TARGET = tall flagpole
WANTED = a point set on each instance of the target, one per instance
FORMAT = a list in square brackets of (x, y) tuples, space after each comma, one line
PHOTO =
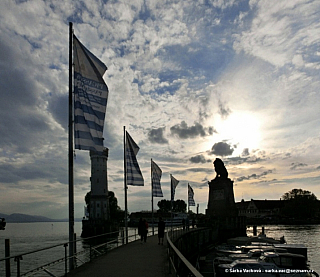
[(172, 197), (125, 186), (71, 189), (188, 209), (152, 201)]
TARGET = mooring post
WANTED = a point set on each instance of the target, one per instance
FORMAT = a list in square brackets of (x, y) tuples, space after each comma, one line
[(254, 230), (7, 254)]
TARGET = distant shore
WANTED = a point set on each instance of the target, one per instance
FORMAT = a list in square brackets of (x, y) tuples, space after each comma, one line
[(24, 218)]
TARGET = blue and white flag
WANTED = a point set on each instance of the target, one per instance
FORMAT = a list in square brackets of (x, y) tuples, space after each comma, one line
[(174, 183), (190, 196), (134, 175), (90, 98), (155, 180)]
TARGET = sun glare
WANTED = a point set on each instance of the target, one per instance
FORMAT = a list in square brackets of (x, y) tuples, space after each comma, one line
[(241, 129)]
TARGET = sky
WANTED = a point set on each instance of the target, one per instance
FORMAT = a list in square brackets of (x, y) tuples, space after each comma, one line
[(190, 80)]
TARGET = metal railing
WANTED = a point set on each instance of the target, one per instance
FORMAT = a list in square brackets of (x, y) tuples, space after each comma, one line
[(178, 264), (92, 247)]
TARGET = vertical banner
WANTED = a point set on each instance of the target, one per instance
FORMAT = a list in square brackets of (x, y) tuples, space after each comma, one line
[(191, 196), (155, 180), (174, 183), (134, 175), (90, 98)]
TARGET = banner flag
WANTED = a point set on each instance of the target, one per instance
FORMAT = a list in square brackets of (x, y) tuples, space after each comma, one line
[(190, 196), (155, 180), (90, 98), (174, 184), (134, 175)]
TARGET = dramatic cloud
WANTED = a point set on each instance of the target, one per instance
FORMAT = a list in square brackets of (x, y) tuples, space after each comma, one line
[(199, 159), (221, 149), (156, 136), (183, 131), (248, 68)]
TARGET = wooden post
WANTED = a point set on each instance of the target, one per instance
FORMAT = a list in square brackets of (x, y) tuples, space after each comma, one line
[(7, 254)]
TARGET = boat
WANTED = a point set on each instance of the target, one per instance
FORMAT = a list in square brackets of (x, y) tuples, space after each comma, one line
[(256, 253), (176, 220), (285, 260), (3, 223)]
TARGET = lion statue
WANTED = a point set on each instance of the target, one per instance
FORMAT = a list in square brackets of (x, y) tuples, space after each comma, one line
[(220, 169)]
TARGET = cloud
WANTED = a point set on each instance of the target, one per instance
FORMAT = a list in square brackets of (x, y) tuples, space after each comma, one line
[(223, 110), (245, 152), (254, 176), (184, 132), (198, 159), (221, 149), (156, 136), (295, 166)]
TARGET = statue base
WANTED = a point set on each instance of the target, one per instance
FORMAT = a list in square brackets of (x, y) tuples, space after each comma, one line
[(221, 198)]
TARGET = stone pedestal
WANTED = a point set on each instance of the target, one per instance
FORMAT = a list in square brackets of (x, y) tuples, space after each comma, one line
[(221, 198)]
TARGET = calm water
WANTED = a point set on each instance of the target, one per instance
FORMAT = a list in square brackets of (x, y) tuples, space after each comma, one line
[(25, 237)]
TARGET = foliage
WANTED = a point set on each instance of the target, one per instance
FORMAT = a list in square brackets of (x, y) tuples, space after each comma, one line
[(116, 214), (299, 193), (300, 204), (178, 206)]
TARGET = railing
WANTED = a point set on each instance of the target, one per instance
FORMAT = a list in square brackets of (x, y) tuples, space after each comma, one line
[(178, 264), (92, 247)]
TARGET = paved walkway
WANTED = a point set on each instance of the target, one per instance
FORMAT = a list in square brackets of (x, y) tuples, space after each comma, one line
[(134, 259)]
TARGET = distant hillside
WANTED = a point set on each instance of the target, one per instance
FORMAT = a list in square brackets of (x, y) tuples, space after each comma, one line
[(16, 217)]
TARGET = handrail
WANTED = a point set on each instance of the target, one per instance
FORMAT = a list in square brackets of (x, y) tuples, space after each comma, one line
[(18, 257), (188, 265)]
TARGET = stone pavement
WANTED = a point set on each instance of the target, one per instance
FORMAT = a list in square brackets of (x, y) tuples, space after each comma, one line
[(134, 259)]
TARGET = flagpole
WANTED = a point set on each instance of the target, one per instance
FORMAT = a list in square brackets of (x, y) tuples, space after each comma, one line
[(152, 201), (71, 188), (125, 186), (172, 197), (188, 207)]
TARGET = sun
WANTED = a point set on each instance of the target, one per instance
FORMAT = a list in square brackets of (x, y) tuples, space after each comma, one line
[(242, 129)]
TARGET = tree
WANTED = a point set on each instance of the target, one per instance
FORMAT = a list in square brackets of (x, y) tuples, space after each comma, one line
[(179, 206), (299, 193), (164, 206), (300, 204)]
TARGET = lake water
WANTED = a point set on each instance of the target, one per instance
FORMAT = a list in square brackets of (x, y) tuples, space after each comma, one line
[(25, 237)]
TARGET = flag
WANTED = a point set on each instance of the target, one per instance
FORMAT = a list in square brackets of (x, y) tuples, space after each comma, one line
[(174, 184), (155, 179), (190, 196), (134, 176), (90, 98)]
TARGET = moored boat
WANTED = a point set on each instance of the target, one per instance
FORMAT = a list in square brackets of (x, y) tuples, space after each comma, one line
[(3, 223)]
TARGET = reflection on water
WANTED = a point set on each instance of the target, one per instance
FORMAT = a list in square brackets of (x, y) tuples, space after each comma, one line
[(309, 235)]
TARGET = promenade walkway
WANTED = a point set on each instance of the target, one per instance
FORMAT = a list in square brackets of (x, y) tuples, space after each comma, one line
[(134, 259)]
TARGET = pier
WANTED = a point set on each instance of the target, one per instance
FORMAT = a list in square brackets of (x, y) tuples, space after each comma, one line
[(133, 259)]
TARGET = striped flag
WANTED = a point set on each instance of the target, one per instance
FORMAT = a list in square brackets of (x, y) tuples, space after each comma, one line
[(90, 98), (174, 184), (190, 196), (155, 179), (134, 175)]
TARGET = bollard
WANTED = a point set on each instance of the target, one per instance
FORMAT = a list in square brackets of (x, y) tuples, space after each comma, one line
[(7, 254), (18, 259), (254, 230), (65, 259), (75, 248)]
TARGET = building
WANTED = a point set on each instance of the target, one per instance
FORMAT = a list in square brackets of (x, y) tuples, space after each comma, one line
[(99, 204), (260, 208)]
